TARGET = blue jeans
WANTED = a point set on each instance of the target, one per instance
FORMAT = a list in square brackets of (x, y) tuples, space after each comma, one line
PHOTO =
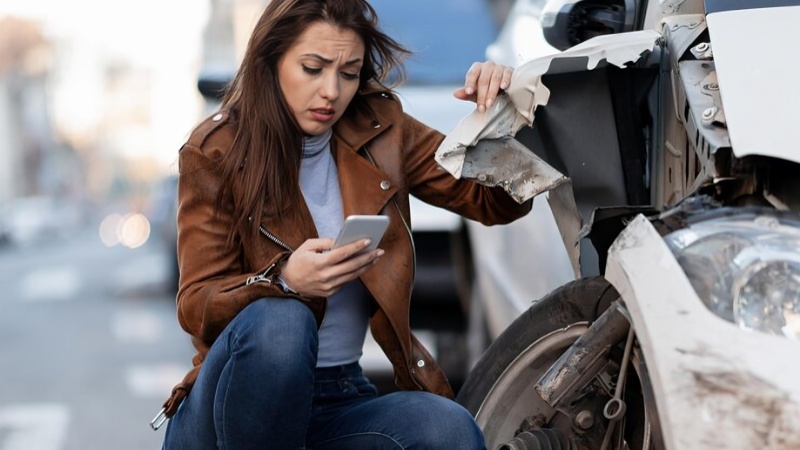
[(259, 389)]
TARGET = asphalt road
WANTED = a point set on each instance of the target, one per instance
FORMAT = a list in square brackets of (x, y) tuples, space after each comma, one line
[(89, 345)]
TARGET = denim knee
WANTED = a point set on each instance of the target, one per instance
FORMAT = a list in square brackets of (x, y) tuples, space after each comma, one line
[(443, 424), (280, 332)]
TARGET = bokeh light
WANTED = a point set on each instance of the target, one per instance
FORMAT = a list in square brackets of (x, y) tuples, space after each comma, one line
[(134, 230), (131, 230), (108, 229)]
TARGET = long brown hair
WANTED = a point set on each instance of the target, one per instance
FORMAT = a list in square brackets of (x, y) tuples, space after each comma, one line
[(265, 156)]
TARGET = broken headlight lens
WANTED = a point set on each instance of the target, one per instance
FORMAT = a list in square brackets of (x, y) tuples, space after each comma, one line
[(746, 270)]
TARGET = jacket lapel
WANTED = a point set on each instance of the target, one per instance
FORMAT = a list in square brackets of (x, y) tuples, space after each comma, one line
[(365, 188)]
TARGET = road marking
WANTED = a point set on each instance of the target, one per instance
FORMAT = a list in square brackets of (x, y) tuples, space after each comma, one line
[(33, 427), (142, 271), (137, 327), (50, 284), (154, 381)]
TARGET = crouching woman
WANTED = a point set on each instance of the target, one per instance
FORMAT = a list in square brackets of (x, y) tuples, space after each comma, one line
[(308, 135)]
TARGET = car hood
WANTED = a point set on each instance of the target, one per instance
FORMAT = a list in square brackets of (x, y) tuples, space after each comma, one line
[(755, 58)]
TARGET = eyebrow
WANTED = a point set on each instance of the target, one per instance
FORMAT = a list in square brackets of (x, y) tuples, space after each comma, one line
[(330, 61)]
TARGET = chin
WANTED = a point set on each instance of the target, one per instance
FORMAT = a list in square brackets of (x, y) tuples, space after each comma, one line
[(316, 129)]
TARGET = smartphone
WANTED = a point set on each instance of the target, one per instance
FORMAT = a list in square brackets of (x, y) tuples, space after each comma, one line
[(362, 227)]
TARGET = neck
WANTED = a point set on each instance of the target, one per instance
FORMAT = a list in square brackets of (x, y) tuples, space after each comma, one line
[(313, 145)]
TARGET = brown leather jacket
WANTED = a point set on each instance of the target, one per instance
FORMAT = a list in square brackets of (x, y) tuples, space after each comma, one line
[(380, 161)]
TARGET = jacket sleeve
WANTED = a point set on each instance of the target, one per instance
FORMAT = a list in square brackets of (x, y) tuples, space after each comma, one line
[(428, 182), (213, 284)]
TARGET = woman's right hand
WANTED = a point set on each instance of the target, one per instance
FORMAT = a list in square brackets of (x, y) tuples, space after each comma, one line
[(313, 271)]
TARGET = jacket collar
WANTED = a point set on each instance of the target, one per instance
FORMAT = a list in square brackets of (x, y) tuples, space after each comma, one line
[(356, 129)]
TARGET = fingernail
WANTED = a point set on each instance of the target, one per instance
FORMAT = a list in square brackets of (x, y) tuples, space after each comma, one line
[(381, 252), (367, 242), (481, 108), (503, 85), (469, 91), (489, 103)]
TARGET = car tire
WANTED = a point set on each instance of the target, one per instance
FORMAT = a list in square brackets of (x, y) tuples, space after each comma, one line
[(579, 301)]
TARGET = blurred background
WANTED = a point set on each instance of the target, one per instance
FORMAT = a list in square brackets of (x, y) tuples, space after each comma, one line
[(96, 98)]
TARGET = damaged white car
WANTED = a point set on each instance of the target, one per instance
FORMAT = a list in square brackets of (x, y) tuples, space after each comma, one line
[(663, 137)]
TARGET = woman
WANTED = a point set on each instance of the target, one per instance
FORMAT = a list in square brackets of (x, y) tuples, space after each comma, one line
[(307, 136)]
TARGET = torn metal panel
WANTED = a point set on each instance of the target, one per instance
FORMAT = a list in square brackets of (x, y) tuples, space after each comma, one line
[(499, 121), (526, 92), (526, 89), (569, 222), (706, 373), (512, 166), (509, 164)]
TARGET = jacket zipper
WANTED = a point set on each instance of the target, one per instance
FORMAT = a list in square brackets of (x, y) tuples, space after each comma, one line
[(264, 277), (261, 277), (274, 239), (411, 370)]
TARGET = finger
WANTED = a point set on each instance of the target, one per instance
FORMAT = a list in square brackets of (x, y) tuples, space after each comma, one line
[(461, 94), (317, 245), (494, 86), (349, 276), (507, 72), (484, 81), (333, 273), (346, 251), (355, 263), (471, 81)]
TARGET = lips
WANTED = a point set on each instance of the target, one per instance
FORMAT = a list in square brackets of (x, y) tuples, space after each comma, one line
[(322, 114)]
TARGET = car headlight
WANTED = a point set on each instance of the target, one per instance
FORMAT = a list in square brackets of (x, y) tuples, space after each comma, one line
[(746, 269)]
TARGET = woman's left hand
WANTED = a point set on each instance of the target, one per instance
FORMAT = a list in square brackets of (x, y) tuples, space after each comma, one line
[(484, 81)]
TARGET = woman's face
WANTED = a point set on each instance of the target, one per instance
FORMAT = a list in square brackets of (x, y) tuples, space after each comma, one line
[(319, 75)]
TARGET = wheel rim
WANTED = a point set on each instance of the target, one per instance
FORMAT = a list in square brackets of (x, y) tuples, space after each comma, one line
[(512, 398)]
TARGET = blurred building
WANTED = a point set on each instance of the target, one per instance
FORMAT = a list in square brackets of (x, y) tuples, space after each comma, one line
[(32, 161)]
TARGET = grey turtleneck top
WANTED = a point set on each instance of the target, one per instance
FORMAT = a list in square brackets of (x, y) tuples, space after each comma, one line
[(341, 338)]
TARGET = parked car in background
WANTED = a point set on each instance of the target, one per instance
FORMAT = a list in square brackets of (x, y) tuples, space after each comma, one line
[(521, 38), (5, 226), (30, 220)]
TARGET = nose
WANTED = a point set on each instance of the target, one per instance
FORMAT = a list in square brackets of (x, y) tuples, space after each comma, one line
[(330, 86)]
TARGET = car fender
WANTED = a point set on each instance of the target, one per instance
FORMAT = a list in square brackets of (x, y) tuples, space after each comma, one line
[(715, 385)]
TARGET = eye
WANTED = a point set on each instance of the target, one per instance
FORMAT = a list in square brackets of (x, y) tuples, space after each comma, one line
[(311, 71), (350, 76)]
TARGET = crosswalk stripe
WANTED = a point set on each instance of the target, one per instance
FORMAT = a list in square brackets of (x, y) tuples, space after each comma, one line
[(137, 327), (154, 381), (50, 284), (141, 271), (33, 427)]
